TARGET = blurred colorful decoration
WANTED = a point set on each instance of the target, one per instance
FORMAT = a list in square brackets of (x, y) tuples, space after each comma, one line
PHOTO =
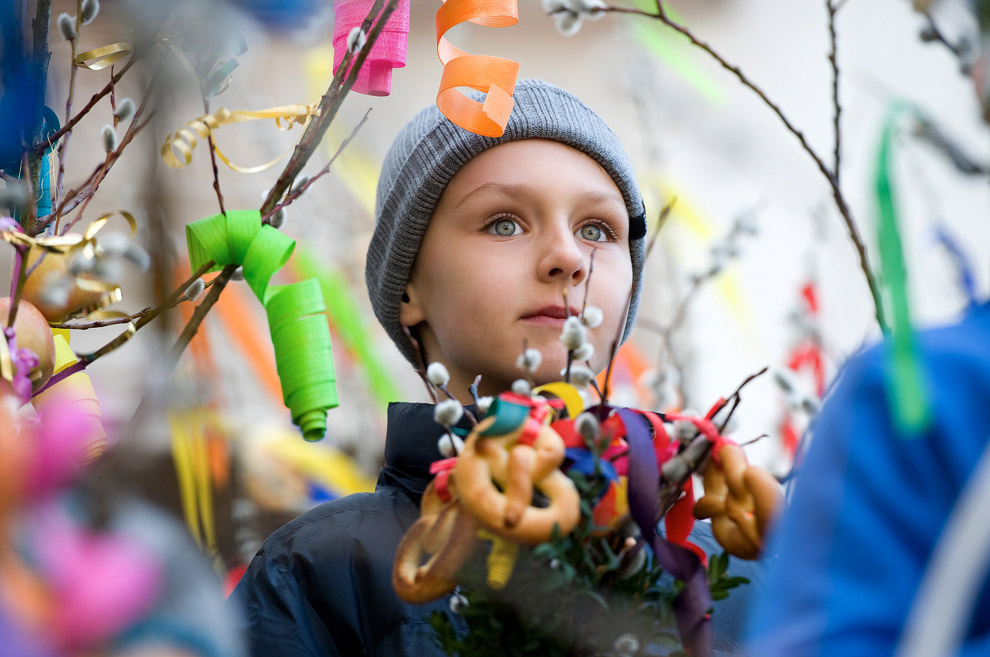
[(281, 15), (493, 76), (75, 392), (806, 357), (296, 313), (280, 473), (191, 433), (908, 398), (678, 55), (387, 53)]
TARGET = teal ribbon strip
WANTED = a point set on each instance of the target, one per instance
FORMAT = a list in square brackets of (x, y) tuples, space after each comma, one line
[(906, 375), (296, 313)]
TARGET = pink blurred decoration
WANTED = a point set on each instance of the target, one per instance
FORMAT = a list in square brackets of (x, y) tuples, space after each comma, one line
[(388, 52), (102, 582), (61, 435)]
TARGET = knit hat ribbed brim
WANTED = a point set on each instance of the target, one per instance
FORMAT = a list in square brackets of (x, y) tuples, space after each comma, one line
[(430, 150)]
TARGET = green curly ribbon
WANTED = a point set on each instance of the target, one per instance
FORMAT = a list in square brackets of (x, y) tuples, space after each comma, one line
[(906, 379), (296, 313)]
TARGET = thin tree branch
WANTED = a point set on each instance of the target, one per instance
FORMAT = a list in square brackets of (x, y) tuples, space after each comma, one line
[(837, 108), (64, 145), (74, 197), (296, 193), (342, 82), (142, 318), (843, 207), (41, 146)]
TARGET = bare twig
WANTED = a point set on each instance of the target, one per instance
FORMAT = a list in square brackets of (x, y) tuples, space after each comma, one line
[(296, 193), (74, 197), (837, 108), (840, 201), (42, 146), (64, 145), (342, 82), (192, 327), (141, 319), (932, 33), (661, 220), (153, 311), (18, 285)]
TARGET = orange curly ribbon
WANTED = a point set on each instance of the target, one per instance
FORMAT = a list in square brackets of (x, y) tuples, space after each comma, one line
[(493, 76)]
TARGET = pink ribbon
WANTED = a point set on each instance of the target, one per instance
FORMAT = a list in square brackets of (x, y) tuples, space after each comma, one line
[(388, 51)]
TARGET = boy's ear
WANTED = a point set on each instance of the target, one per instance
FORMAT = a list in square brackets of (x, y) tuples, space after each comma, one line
[(410, 311)]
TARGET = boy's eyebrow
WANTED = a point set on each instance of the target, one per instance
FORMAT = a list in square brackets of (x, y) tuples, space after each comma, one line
[(521, 189)]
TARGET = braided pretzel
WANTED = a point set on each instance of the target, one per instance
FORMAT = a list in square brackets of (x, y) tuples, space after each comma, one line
[(740, 499), (518, 468), (447, 536)]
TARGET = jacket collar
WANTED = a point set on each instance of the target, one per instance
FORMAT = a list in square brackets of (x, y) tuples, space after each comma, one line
[(411, 446)]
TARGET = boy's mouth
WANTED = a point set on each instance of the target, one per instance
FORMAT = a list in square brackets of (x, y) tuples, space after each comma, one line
[(549, 315)]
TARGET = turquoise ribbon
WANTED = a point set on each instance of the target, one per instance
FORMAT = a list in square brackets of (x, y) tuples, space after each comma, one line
[(296, 313)]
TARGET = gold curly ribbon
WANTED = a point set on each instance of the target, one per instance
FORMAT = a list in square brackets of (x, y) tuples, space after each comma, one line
[(184, 140), (85, 243), (100, 58)]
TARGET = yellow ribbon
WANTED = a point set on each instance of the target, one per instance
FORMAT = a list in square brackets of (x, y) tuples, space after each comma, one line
[(189, 452), (501, 560), (184, 140), (100, 58)]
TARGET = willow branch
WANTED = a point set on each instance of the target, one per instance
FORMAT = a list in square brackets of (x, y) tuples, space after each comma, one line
[(75, 197), (296, 193), (830, 176), (42, 146), (142, 318), (64, 145), (192, 327), (342, 82)]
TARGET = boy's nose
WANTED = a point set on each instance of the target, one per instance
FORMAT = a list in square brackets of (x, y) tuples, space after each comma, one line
[(563, 260)]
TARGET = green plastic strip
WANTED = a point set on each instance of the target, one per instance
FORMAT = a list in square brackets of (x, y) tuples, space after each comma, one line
[(347, 319), (296, 313), (906, 378), (677, 53)]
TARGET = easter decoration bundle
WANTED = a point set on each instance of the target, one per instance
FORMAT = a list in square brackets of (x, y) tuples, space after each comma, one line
[(543, 519)]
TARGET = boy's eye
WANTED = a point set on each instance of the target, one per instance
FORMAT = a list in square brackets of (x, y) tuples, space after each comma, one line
[(504, 228), (593, 233)]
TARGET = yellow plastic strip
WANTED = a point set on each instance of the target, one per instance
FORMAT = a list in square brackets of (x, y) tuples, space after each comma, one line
[(184, 470), (567, 392)]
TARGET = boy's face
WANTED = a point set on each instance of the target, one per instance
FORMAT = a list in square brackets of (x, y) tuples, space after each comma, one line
[(516, 227)]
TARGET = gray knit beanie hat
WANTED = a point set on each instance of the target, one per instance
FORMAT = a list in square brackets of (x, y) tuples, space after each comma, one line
[(430, 150)]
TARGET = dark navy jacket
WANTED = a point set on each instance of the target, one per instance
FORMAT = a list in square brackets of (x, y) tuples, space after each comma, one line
[(321, 585)]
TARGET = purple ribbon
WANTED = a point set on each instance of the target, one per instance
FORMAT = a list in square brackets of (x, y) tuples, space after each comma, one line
[(693, 602)]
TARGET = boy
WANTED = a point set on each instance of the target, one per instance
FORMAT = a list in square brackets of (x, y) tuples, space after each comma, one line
[(476, 242)]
